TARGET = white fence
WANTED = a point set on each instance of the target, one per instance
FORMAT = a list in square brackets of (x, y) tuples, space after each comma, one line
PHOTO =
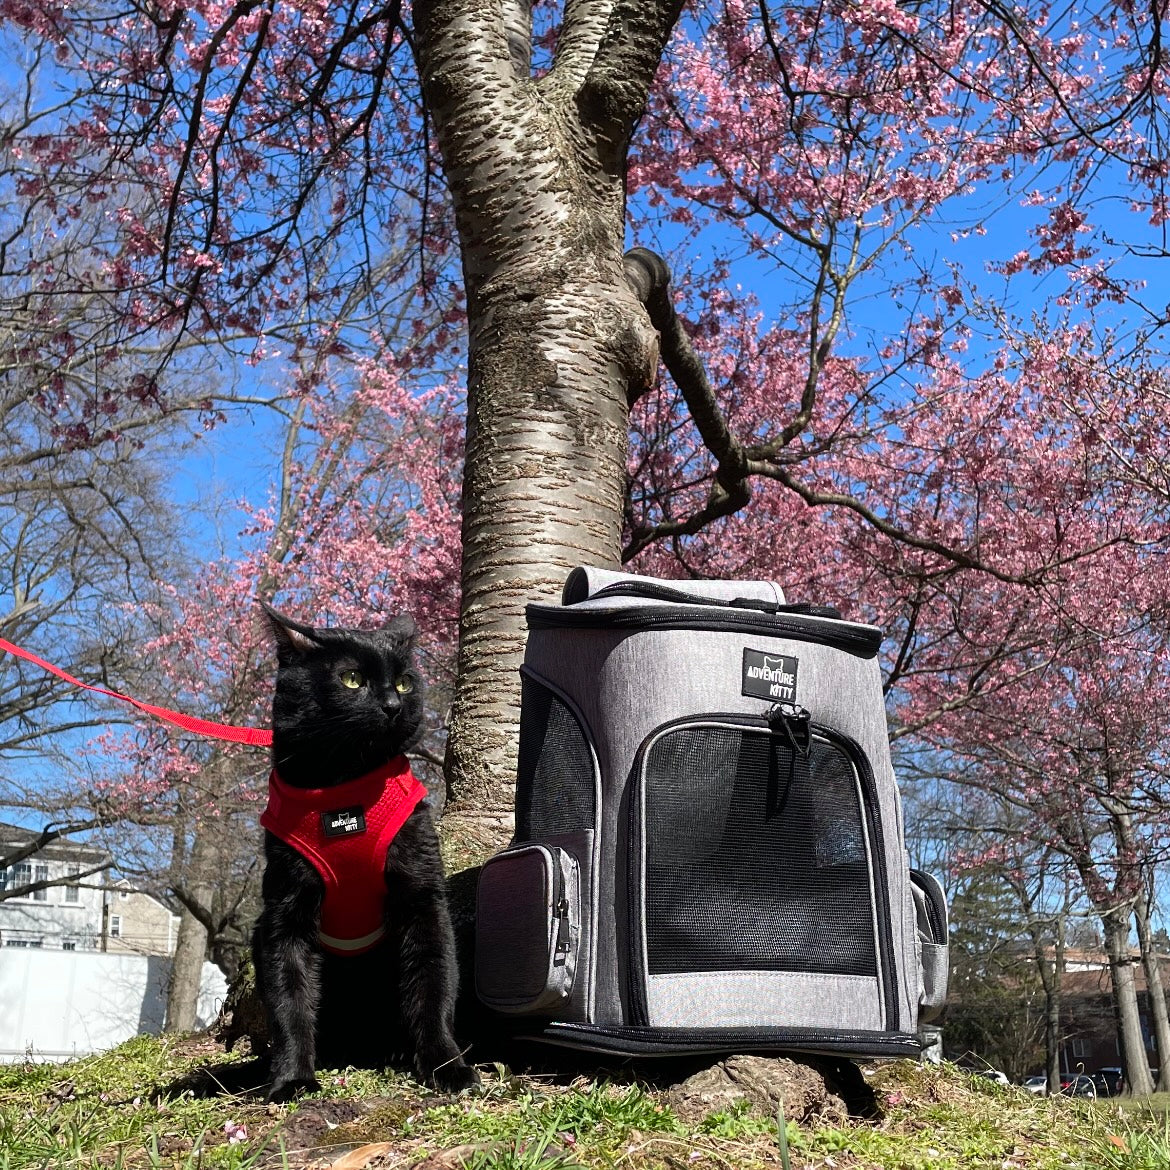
[(55, 1005)]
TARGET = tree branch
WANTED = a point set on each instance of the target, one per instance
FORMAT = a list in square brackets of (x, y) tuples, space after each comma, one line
[(649, 277), (68, 880), (50, 833), (582, 28), (463, 48), (613, 95)]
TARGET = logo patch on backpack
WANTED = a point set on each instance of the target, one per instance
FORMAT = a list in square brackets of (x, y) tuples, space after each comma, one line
[(344, 822), (769, 676)]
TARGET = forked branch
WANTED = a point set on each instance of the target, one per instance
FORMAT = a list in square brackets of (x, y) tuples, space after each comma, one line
[(736, 463)]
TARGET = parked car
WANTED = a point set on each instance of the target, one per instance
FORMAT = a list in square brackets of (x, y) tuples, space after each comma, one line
[(1109, 1081), (1037, 1084), (993, 1074), (1077, 1085)]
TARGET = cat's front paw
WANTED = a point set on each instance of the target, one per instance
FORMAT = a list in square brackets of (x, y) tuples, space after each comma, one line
[(454, 1077), (286, 1090)]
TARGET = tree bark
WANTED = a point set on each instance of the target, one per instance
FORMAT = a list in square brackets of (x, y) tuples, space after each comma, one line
[(1053, 985), (1133, 1049), (1051, 972), (191, 948), (1155, 993), (536, 170)]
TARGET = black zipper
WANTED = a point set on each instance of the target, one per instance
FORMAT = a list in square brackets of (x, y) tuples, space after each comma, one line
[(560, 908), (560, 904), (881, 873), (639, 1008), (861, 641), (637, 965)]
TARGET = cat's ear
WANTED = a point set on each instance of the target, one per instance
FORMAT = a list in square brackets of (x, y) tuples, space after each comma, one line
[(403, 630), (291, 637)]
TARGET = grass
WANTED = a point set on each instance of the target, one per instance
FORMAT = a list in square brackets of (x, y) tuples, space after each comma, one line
[(1156, 1103), (130, 1110)]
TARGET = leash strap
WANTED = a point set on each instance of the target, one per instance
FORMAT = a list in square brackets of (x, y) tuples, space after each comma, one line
[(252, 736)]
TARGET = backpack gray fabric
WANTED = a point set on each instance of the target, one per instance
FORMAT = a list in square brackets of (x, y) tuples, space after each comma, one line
[(709, 851)]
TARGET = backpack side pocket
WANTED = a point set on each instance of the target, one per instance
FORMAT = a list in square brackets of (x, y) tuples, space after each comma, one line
[(930, 908), (528, 929)]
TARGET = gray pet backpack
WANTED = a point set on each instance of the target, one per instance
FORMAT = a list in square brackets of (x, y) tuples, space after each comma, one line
[(709, 850)]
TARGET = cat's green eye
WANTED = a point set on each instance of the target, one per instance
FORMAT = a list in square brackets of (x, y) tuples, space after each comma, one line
[(404, 686), (352, 679)]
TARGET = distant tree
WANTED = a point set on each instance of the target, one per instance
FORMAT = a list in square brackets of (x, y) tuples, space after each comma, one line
[(996, 1003), (1078, 757)]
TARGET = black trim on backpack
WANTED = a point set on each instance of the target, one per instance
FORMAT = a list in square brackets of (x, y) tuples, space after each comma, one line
[(861, 641), (641, 1041)]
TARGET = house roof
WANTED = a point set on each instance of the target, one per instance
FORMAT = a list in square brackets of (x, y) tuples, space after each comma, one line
[(126, 886), (62, 849), (1093, 983)]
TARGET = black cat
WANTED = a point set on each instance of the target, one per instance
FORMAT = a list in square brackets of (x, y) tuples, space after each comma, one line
[(347, 705)]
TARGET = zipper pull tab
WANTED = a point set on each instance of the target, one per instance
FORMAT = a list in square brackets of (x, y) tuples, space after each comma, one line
[(795, 724), (564, 942)]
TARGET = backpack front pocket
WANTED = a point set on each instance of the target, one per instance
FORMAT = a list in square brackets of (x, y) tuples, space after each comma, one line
[(528, 929), (756, 878)]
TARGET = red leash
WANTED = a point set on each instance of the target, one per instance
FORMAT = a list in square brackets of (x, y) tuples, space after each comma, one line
[(252, 736)]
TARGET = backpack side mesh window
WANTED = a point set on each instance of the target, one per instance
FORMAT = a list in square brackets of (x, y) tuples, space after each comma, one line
[(555, 784)]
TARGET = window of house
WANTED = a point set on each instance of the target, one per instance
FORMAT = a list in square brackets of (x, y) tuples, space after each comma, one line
[(115, 926), (69, 945), (73, 891), (42, 875), (28, 944), (1080, 1048), (20, 874)]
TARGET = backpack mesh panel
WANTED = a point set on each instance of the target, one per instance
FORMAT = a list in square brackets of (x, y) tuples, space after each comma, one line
[(554, 780), (755, 856)]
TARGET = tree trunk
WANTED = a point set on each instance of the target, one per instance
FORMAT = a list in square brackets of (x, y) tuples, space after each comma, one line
[(1052, 1032), (1156, 995), (1133, 1049), (1051, 974), (557, 339), (1053, 986), (191, 949), (1139, 882)]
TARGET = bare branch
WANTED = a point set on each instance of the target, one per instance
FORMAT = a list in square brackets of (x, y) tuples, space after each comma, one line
[(50, 833), (649, 277)]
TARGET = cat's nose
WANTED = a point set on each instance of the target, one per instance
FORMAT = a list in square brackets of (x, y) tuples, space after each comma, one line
[(391, 705)]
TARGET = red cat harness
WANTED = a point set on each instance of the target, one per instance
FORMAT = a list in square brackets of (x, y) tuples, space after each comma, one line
[(344, 832)]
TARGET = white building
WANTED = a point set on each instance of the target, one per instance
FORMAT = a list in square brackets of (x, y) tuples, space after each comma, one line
[(62, 917), (90, 914), (113, 984), (137, 923)]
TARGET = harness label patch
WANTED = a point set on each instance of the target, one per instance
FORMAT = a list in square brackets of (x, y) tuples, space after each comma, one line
[(769, 676), (344, 822)]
